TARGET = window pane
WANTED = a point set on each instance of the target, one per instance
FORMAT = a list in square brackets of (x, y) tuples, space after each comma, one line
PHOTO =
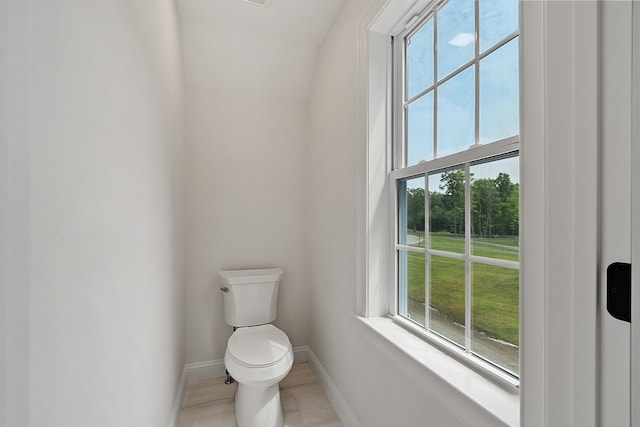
[(411, 285), (411, 212), (494, 315), (446, 211), (420, 60), (495, 206), (464, 286), (456, 113), (420, 130), (499, 94), (446, 297), (498, 19), (456, 39)]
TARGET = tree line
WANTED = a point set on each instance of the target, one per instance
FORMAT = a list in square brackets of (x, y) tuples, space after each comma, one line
[(494, 206)]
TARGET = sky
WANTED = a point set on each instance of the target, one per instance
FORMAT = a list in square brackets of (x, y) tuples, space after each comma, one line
[(455, 99)]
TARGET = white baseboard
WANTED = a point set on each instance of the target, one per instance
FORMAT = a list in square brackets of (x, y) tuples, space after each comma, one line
[(330, 389), (300, 354), (215, 368), (177, 403), (204, 370)]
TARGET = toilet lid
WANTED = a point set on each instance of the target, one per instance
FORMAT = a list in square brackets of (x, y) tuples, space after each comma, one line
[(258, 345)]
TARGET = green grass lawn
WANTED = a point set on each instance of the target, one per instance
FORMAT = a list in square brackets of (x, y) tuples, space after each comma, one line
[(495, 247), (495, 292)]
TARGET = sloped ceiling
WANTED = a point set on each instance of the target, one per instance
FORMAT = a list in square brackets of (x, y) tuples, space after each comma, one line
[(307, 20), (268, 48)]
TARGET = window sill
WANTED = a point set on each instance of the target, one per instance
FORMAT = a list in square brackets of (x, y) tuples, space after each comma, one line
[(477, 397)]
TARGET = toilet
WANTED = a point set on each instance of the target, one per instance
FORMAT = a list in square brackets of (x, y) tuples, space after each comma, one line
[(258, 354)]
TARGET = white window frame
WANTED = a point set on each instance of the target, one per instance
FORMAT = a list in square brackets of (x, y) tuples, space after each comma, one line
[(477, 394), (462, 159), (559, 155)]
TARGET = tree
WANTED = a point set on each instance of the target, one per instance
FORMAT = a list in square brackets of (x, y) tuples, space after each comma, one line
[(452, 184), (511, 211), (494, 206), (484, 197), (439, 216), (415, 209)]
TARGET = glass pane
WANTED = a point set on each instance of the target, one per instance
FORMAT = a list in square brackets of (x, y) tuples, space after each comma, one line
[(498, 19), (420, 60), (411, 212), (494, 315), (495, 202), (456, 113), (456, 39), (411, 290), (420, 130), (499, 94), (446, 211), (446, 297)]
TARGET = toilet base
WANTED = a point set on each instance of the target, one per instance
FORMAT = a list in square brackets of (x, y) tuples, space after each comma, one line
[(258, 406)]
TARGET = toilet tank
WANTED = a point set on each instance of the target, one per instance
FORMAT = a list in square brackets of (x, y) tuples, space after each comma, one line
[(250, 296)]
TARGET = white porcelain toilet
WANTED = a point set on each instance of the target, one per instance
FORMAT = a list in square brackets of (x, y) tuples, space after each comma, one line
[(258, 355)]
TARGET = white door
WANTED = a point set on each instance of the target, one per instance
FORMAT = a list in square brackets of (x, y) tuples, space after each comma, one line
[(615, 202), (635, 209)]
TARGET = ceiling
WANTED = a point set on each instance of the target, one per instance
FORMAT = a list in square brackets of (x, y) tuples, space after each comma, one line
[(306, 20)]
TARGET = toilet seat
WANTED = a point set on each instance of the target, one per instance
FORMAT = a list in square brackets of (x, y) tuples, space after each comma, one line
[(258, 346)]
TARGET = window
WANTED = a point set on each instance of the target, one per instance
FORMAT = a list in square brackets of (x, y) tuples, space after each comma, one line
[(455, 178)]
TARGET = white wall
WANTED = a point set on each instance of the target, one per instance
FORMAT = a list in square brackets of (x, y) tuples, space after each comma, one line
[(92, 184), (331, 197), (14, 289), (246, 173), (3, 214)]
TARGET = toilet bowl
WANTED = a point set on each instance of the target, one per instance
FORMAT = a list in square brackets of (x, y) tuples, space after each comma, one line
[(258, 358), (258, 354)]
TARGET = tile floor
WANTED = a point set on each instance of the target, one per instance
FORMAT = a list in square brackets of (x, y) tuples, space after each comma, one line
[(210, 403)]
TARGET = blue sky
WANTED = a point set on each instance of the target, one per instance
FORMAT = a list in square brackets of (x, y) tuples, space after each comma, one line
[(498, 85)]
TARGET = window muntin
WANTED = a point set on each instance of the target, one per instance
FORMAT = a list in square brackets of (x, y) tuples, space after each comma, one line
[(457, 164)]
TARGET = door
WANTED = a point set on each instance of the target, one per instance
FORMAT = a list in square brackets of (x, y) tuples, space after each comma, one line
[(615, 202), (635, 209)]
